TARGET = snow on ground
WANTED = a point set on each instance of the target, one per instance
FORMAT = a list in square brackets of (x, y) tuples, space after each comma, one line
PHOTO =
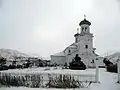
[(52, 70), (107, 82)]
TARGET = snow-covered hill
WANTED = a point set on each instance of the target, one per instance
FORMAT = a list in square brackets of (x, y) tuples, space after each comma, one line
[(10, 54), (113, 57), (116, 54)]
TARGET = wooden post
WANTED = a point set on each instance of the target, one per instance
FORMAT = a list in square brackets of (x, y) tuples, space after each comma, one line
[(118, 65)]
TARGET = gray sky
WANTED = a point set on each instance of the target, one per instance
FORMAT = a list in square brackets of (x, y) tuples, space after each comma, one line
[(46, 27)]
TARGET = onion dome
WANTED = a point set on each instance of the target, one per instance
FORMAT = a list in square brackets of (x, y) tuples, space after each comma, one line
[(77, 34), (85, 22)]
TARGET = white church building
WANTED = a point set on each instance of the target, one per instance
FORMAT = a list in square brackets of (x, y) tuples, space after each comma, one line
[(83, 46)]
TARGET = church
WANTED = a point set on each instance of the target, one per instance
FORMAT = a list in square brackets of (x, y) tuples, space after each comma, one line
[(83, 46)]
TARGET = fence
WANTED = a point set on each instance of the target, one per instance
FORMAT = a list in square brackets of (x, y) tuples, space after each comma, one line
[(44, 79)]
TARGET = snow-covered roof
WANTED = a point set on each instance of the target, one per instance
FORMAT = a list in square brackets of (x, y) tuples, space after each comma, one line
[(46, 58), (59, 54), (73, 45)]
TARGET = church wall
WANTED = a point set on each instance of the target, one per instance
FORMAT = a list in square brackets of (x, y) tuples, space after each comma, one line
[(69, 49), (58, 59), (82, 46), (70, 57), (100, 61), (86, 60)]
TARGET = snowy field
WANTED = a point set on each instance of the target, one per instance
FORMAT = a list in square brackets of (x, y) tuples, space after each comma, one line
[(107, 80)]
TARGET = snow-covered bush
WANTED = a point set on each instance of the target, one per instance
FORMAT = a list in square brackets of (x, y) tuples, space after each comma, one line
[(110, 67), (34, 81), (2, 64), (65, 81)]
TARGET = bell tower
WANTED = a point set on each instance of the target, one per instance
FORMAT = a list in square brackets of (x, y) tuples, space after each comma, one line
[(85, 26), (86, 50)]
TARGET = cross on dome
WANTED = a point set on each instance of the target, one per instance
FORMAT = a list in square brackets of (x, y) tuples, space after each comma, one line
[(84, 16)]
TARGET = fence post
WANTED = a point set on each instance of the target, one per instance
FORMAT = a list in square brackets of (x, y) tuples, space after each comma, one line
[(97, 73), (118, 70)]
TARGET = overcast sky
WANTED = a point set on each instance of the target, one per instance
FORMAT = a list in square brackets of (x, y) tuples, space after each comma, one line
[(46, 27)]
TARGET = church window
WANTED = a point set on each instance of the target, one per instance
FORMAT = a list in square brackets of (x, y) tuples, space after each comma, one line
[(86, 46), (85, 28), (96, 58), (69, 51), (92, 61)]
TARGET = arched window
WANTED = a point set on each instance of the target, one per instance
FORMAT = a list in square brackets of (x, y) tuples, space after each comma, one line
[(86, 46), (97, 59), (69, 51), (85, 28), (92, 61)]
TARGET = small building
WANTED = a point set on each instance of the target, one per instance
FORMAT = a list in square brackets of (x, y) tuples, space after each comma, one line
[(83, 46)]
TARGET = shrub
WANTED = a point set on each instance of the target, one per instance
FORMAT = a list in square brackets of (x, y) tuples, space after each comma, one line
[(110, 67), (36, 81), (33, 81), (12, 66), (3, 67), (63, 81)]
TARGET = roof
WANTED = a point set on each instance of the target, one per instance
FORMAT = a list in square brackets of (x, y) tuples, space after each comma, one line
[(85, 22), (59, 54), (73, 45)]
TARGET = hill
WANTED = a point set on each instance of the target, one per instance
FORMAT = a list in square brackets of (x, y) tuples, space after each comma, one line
[(113, 57), (10, 54)]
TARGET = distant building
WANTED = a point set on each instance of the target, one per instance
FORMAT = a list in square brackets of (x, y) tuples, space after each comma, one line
[(83, 46)]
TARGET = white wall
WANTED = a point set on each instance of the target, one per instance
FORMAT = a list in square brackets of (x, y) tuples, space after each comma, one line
[(58, 59)]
